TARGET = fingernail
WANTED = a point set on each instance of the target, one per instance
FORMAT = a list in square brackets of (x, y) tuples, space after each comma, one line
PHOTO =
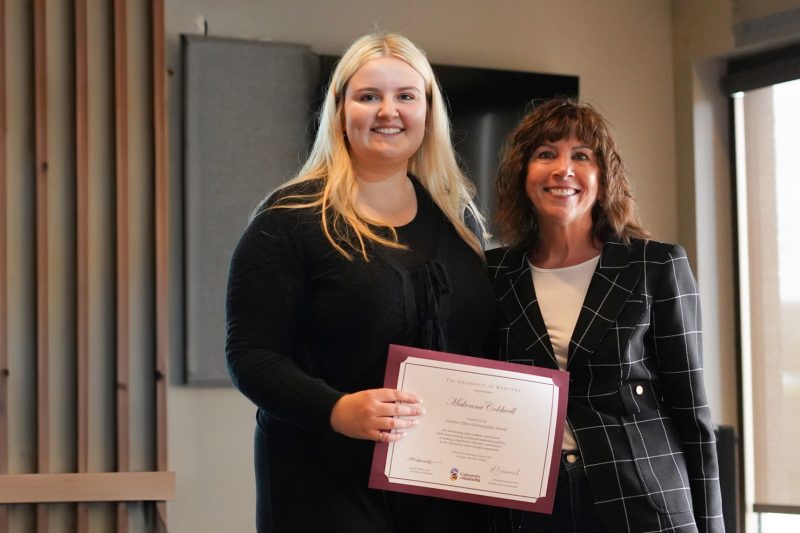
[(421, 411)]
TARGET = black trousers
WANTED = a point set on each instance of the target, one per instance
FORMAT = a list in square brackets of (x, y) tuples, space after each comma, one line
[(573, 509), (301, 489)]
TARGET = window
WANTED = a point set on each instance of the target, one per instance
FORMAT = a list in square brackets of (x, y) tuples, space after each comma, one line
[(767, 145)]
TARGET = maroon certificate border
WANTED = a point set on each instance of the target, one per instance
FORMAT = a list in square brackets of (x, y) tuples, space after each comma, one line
[(397, 355)]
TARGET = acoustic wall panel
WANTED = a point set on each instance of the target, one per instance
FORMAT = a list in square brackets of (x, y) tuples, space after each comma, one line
[(247, 122)]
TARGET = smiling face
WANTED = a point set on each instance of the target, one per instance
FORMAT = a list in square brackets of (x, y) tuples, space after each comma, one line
[(384, 114), (563, 182)]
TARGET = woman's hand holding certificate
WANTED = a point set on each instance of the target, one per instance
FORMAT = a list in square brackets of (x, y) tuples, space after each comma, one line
[(375, 414)]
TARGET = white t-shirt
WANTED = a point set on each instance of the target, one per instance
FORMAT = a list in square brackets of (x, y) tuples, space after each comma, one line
[(560, 293)]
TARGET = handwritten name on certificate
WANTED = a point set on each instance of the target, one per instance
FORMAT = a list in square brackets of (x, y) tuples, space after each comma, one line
[(491, 433)]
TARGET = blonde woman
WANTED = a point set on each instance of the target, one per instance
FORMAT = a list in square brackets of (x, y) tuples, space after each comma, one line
[(374, 242)]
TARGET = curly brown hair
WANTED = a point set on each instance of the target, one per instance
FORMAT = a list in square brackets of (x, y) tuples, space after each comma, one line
[(615, 218)]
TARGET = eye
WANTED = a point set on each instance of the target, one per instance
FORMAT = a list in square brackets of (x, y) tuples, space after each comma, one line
[(407, 97), (544, 153), (368, 97), (582, 156)]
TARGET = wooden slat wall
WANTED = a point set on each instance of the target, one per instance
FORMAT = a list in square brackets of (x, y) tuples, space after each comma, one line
[(123, 315), (44, 482), (3, 268), (161, 188), (42, 318), (82, 252)]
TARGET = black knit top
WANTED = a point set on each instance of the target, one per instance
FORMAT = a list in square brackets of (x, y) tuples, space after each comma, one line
[(305, 325)]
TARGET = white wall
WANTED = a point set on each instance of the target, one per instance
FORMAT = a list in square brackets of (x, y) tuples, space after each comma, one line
[(622, 51)]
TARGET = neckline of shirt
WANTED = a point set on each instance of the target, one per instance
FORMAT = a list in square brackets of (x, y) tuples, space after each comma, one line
[(593, 262)]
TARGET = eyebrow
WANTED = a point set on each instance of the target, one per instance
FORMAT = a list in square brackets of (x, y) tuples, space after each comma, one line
[(399, 89), (579, 147)]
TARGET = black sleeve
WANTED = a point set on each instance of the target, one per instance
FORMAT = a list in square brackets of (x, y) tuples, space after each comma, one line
[(267, 288), (678, 341)]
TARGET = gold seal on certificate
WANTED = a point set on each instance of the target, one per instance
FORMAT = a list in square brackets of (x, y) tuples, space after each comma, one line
[(491, 432)]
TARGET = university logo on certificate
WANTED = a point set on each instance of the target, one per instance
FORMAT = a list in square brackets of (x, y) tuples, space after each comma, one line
[(491, 432)]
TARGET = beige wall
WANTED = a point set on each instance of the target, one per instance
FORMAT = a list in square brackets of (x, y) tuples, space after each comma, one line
[(702, 32)]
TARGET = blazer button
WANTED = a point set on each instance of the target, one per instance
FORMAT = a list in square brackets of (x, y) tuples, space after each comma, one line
[(639, 390)]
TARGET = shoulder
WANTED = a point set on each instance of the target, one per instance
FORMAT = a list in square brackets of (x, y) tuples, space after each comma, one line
[(659, 262), (503, 261), (273, 225), (643, 250), (279, 206), (659, 248), (664, 253), (495, 256), (294, 193), (469, 216)]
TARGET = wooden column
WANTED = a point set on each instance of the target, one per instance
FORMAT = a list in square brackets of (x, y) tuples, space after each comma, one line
[(41, 161), (82, 252), (123, 300), (161, 189), (3, 266)]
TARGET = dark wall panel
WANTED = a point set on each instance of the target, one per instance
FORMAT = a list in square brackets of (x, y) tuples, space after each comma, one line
[(246, 127)]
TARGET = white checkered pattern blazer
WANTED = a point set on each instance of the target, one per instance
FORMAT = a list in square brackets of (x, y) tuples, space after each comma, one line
[(637, 404)]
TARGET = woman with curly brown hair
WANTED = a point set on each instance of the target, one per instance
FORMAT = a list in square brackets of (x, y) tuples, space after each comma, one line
[(581, 287)]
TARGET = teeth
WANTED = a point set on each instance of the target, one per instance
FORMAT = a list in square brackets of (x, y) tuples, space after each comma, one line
[(562, 192), (388, 130)]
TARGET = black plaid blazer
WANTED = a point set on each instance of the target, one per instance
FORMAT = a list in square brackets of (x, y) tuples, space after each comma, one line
[(637, 403)]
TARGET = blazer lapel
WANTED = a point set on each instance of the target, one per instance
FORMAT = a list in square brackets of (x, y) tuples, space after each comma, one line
[(517, 300), (613, 281)]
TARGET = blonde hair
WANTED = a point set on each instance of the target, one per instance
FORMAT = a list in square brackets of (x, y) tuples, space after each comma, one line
[(329, 162)]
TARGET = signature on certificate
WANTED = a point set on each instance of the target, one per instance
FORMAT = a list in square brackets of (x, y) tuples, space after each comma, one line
[(500, 470), (424, 461)]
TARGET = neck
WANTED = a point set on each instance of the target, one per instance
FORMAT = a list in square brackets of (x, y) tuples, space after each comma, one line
[(564, 246), (380, 171), (390, 200)]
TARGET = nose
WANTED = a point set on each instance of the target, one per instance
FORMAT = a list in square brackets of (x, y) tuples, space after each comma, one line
[(388, 109), (565, 168)]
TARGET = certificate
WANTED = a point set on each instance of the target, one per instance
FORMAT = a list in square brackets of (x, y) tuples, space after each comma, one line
[(491, 432)]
